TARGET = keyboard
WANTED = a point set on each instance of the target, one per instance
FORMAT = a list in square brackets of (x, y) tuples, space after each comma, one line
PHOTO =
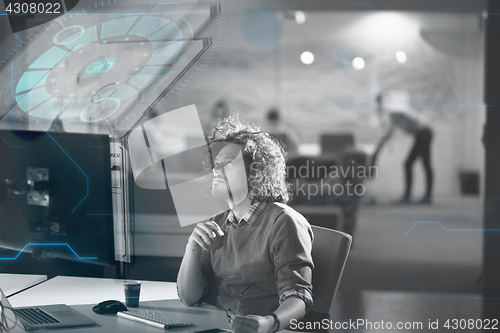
[(35, 316), (153, 319)]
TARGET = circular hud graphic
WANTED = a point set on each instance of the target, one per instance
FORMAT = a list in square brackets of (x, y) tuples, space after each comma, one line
[(92, 66)]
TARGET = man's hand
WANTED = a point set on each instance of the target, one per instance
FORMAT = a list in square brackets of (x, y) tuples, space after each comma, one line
[(252, 324), (206, 235)]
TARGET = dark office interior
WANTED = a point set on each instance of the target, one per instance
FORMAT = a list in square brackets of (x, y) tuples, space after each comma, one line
[(309, 72)]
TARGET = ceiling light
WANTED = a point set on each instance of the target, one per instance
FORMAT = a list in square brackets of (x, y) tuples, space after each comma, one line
[(307, 58), (401, 57), (300, 17)]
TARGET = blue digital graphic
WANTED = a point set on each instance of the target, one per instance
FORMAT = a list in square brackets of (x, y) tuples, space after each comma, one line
[(49, 244), (100, 68)]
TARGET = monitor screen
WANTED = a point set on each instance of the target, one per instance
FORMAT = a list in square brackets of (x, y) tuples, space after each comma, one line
[(102, 71), (56, 199)]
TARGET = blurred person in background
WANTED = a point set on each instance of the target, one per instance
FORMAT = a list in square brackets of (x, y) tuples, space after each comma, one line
[(413, 123), (282, 132)]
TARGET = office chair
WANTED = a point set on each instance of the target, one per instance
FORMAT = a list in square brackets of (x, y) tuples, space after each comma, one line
[(329, 253)]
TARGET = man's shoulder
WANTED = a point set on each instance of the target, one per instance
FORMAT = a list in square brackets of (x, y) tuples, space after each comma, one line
[(290, 222), (283, 212)]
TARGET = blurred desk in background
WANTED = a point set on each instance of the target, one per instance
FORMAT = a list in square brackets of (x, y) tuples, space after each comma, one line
[(82, 294)]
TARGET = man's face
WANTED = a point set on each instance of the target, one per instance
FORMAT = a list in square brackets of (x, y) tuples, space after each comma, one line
[(230, 178)]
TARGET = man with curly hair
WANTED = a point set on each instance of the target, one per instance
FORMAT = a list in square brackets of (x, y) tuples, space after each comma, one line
[(254, 260)]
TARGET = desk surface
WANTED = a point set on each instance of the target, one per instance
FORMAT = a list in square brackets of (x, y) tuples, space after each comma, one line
[(204, 317), (76, 290), (83, 293), (13, 283)]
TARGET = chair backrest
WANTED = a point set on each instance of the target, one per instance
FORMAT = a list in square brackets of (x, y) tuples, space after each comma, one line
[(329, 253)]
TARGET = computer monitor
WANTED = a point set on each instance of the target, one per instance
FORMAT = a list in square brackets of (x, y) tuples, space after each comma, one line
[(103, 70), (57, 196)]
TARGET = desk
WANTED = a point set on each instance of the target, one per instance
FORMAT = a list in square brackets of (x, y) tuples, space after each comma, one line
[(83, 293), (204, 317), (77, 290), (13, 283)]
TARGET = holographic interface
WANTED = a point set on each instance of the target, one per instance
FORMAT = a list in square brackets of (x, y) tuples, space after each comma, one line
[(101, 71)]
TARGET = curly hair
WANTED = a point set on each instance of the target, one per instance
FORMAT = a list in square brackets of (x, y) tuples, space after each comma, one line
[(265, 158)]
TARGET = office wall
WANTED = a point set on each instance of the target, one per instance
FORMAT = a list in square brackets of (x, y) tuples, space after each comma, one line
[(443, 78), (256, 69)]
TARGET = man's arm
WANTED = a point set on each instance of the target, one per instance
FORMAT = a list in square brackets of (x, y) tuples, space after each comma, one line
[(190, 281), (291, 308)]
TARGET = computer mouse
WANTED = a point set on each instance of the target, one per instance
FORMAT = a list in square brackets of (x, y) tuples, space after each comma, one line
[(109, 307)]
